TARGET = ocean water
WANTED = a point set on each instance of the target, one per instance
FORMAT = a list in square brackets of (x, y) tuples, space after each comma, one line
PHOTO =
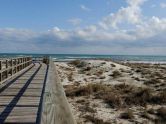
[(68, 57)]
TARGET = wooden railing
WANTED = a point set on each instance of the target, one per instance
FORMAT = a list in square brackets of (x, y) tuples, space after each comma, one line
[(55, 107), (9, 67)]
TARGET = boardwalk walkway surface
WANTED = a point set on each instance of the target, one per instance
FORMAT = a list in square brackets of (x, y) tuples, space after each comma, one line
[(20, 98), (34, 95)]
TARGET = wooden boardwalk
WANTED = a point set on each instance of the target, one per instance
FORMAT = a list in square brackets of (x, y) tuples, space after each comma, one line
[(21, 97), (31, 93)]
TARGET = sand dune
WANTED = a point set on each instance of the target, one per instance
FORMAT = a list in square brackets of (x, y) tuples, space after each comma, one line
[(105, 92)]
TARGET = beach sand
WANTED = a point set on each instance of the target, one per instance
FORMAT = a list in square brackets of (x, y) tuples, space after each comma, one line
[(105, 92)]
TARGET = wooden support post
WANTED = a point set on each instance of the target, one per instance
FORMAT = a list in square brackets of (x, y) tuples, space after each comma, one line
[(18, 64), (27, 61), (0, 65), (23, 62), (11, 66), (6, 67), (15, 63)]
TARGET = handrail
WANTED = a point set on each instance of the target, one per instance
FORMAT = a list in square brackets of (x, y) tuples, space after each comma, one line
[(9, 67), (5, 69), (5, 58), (55, 107)]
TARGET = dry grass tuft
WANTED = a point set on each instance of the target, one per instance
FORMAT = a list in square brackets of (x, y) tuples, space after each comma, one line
[(95, 120), (119, 96), (161, 112), (99, 73), (113, 65), (152, 81), (103, 63), (112, 99), (78, 63), (102, 77), (138, 96), (87, 68), (127, 115), (159, 98), (85, 90), (70, 76), (116, 74), (151, 111), (146, 115), (86, 108)]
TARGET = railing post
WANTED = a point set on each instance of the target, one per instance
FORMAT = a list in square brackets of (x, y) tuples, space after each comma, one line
[(15, 64), (11, 66), (26, 61), (19, 64), (29, 60), (23, 62), (18, 61), (6, 68)]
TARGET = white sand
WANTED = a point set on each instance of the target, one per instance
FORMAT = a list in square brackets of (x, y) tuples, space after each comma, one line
[(106, 68), (64, 69)]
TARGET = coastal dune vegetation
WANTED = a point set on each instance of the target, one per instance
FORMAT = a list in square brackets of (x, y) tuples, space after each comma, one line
[(106, 92)]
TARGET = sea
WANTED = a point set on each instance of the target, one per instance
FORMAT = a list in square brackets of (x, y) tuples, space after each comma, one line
[(69, 57)]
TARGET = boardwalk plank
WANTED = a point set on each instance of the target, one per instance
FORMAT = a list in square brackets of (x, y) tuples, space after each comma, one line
[(20, 105)]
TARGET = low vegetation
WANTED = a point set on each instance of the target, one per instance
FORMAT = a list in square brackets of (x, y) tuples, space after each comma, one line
[(70, 76), (152, 81), (121, 95), (78, 63), (161, 112), (84, 90), (146, 100), (95, 120), (115, 74), (128, 114), (99, 73), (113, 65)]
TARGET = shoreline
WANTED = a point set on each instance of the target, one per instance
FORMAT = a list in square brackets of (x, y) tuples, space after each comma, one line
[(143, 62)]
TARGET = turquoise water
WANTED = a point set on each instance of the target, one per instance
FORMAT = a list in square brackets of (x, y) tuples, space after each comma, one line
[(67, 57)]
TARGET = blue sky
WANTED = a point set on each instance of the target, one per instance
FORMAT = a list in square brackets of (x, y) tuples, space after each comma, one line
[(83, 26)]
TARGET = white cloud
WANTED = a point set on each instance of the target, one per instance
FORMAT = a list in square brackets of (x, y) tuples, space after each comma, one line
[(83, 7), (130, 14), (75, 21), (163, 5), (152, 27), (146, 36)]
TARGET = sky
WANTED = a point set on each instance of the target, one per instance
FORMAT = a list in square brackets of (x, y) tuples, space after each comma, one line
[(125, 27)]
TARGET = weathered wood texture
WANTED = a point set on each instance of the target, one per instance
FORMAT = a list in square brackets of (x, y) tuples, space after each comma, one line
[(10, 67), (34, 96), (56, 109), (20, 98)]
